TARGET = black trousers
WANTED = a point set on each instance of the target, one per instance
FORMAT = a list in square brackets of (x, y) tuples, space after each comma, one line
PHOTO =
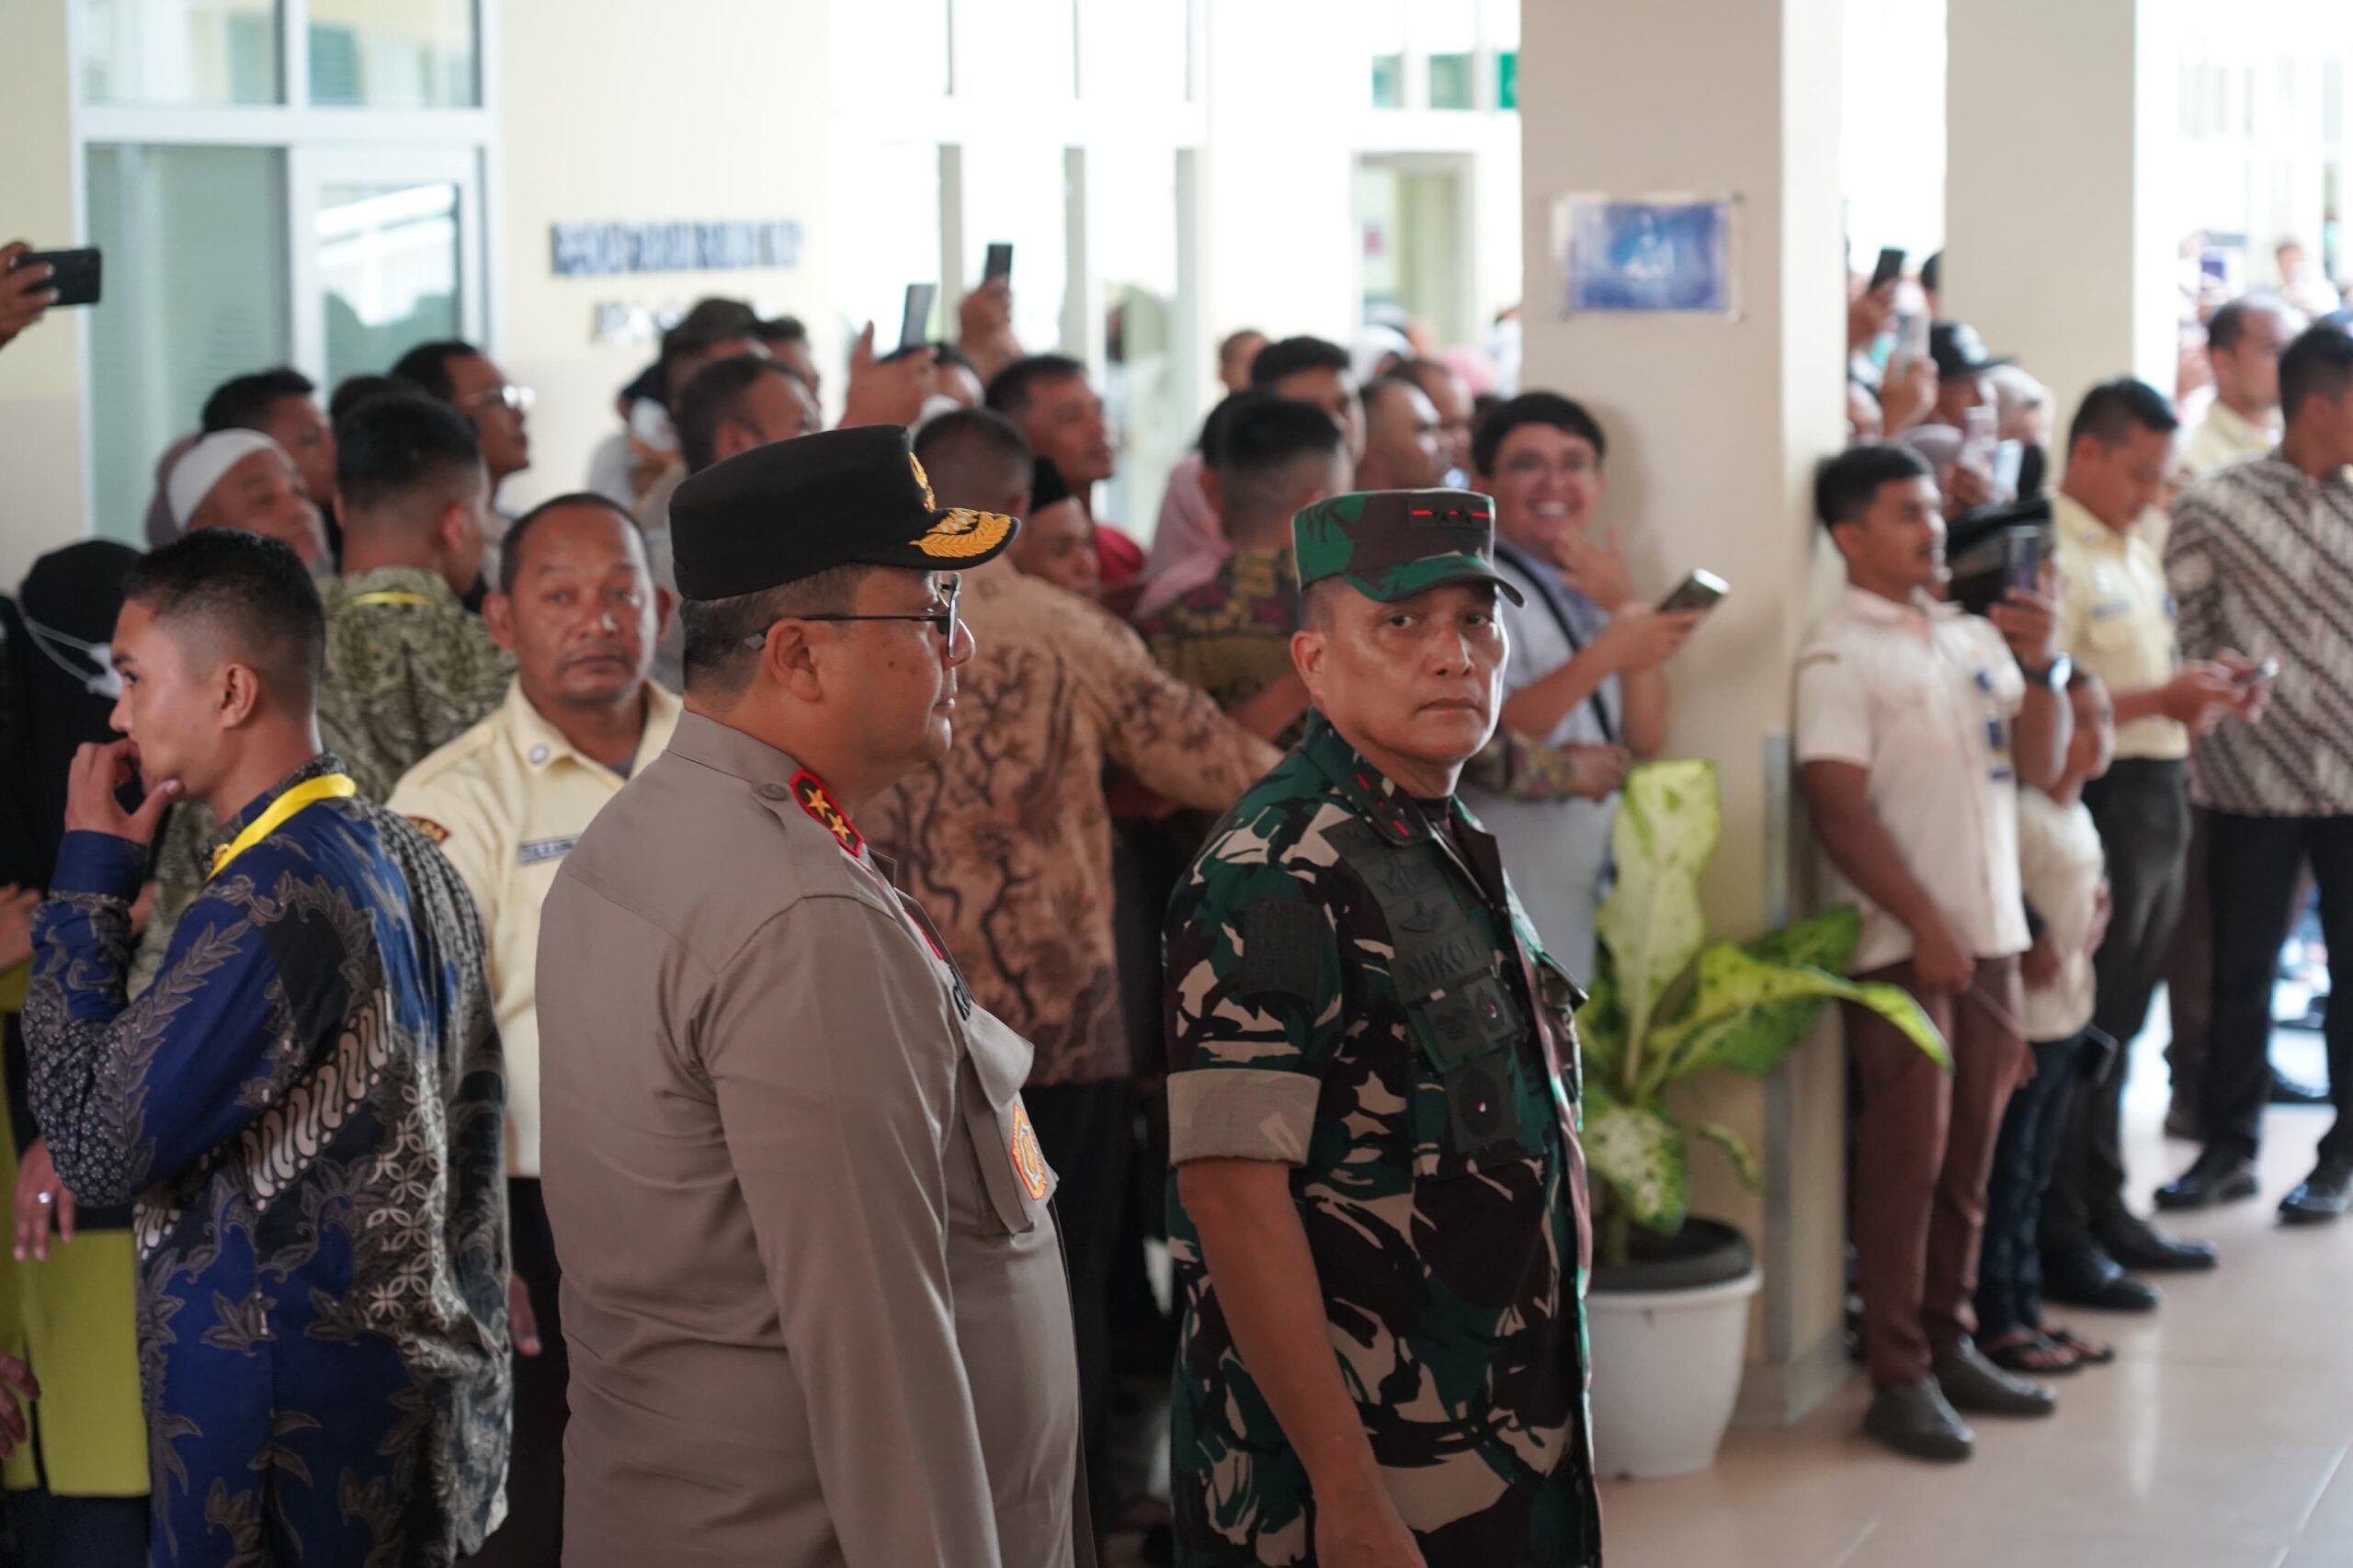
[(532, 1535), (78, 1532), (1087, 1131), (2010, 1268), (2141, 809), (2251, 881)]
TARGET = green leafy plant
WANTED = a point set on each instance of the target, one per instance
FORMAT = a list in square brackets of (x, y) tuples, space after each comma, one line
[(1665, 1004)]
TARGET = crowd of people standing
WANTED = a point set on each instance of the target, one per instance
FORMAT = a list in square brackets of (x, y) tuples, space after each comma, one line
[(671, 1024)]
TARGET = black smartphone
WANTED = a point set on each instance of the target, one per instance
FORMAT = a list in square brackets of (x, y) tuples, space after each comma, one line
[(75, 274), (1701, 591), (914, 318), (999, 262), (1890, 267), (2022, 560)]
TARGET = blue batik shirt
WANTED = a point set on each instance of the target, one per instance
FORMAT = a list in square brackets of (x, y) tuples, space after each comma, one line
[(306, 1106)]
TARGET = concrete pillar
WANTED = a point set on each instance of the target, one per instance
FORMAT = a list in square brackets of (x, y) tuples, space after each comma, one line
[(1714, 426), (2061, 217)]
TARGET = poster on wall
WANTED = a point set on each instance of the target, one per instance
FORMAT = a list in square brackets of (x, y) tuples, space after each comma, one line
[(1651, 255)]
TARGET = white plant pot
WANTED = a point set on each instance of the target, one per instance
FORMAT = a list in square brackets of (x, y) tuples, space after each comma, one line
[(1667, 1368)]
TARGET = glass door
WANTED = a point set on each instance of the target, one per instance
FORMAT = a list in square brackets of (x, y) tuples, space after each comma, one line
[(387, 255)]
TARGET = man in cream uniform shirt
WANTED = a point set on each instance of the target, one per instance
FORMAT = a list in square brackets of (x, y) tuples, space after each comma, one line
[(812, 1287), (506, 801)]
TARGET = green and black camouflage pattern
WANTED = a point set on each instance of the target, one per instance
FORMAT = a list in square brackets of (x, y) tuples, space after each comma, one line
[(1393, 544), (1453, 1277)]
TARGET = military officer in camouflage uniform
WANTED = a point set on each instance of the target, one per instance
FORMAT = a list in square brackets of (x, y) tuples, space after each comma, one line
[(1379, 1217)]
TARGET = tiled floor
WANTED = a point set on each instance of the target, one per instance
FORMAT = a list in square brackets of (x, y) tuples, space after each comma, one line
[(2219, 1439)]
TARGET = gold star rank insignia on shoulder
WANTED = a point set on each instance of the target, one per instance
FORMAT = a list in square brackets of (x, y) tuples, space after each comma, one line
[(819, 802)]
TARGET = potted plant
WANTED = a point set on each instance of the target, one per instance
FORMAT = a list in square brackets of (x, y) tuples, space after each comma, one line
[(1669, 1300)]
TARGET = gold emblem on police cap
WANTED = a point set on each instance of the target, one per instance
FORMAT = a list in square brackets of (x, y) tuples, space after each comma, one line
[(924, 480)]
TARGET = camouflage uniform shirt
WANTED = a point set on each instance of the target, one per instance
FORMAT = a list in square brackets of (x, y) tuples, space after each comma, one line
[(1336, 959)]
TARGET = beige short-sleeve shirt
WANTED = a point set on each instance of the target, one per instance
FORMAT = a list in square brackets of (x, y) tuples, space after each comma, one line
[(2116, 619)]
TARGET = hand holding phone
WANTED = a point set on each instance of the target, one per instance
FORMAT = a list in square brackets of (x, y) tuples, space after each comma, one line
[(2263, 673), (73, 276), (1700, 592), (999, 262)]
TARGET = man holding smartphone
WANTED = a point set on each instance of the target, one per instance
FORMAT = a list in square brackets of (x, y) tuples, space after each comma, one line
[(25, 291), (2117, 620)]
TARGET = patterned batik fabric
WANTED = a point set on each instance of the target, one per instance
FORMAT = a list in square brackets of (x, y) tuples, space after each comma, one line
[(306, 1108), (1452, 1273)]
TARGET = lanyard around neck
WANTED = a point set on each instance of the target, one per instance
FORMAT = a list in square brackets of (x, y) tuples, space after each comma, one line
[(326, 786), (390, 596)]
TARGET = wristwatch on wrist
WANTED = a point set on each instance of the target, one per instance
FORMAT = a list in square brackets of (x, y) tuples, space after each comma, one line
[(2051, 676)]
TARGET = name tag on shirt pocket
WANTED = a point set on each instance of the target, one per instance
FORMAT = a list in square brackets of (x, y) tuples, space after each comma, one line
[(539, 851), (1013, 1164)]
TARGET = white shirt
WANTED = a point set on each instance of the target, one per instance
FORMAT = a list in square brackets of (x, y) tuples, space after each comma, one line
[(2060, 866), (1558, 850), (1921, 696)]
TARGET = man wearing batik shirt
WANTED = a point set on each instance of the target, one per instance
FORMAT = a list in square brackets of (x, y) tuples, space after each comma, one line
[(305, 1106)]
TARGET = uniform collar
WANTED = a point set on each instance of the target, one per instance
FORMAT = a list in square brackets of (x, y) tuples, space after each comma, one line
[(2243, 433), (2075, 525), (789, 790), (541, 745), (1369, 792), (396, 579), (1918, 616), (324, 762)]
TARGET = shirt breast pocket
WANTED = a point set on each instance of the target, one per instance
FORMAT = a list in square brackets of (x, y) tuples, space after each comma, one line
[(1005, 1144)]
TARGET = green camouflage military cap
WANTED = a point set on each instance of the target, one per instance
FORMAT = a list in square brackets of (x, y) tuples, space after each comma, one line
[(1393, 544)]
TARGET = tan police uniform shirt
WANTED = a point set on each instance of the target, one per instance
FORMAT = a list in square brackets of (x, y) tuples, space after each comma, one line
[(813, 1289), (2224, 436), (506, 801), (2115, 621), (1922, 697)]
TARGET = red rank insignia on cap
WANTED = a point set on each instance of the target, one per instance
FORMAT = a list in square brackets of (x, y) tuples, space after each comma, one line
[(819, 802)]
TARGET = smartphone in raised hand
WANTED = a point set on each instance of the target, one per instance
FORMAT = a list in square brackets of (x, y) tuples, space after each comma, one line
[(1701, 591), (999, 262), (914, 316), (74, 275)]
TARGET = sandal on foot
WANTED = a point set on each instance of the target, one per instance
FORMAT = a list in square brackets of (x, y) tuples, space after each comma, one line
[(2031, 1355), (2087, 1352)]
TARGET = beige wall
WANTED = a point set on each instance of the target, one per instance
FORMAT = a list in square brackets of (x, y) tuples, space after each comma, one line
[(587, 94), (1715, 426), (41, 414)]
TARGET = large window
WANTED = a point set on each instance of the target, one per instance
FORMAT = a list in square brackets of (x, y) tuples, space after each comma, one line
[(292, 183)]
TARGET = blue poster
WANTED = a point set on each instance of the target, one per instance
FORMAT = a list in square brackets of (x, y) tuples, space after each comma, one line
[(1651, 255)]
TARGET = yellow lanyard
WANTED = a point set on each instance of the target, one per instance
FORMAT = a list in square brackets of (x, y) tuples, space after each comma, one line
[(326, 786), (390, 596)]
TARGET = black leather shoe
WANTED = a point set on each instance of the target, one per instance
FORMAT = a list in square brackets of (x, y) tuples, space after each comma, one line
[(2288, 1091), (1916, 1421), (2085, 1277), (2217, 1176), (2140, 1247), (1972, 1382), (2325, 1195)]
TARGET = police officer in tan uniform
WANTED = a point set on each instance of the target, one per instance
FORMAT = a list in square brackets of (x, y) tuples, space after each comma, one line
[(814, 1303)]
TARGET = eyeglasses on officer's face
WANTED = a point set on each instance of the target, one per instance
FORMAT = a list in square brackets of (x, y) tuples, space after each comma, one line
[(940, 618)]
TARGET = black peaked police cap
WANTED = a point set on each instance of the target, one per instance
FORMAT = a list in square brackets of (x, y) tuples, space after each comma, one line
[(794, 509)]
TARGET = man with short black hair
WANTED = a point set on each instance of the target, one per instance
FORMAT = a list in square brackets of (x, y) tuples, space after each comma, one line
[(786, 341), (1402, 443), (736, 403), (305, 1106), (2116, 619), (1450, 394), (283, 405), (461, 375), (1053, 402), (2244, 341), (1915, 724), (2260, 557), (409, 668), (504, 803), (1584, 673)]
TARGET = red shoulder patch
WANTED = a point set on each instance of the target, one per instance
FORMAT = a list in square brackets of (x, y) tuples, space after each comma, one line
[(431, 829), (819, 802)]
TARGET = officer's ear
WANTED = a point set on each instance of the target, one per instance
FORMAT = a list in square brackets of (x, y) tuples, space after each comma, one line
[(787, 660), (498, 619), (1215, 494), (665, 606), (1308, 647)]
